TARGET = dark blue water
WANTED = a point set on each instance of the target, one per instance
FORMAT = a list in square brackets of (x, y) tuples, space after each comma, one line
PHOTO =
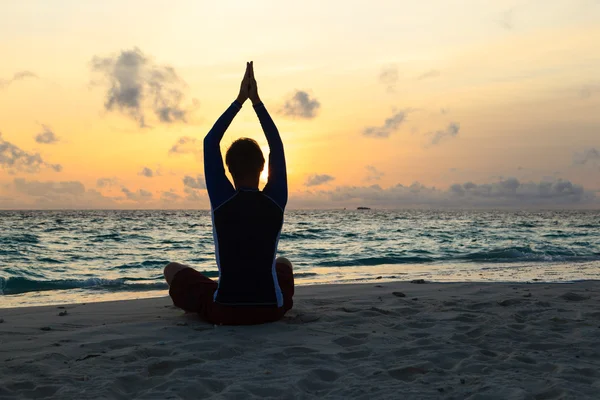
[(54, 256)]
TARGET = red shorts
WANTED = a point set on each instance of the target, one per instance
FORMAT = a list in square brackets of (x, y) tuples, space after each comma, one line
[(194, 292)]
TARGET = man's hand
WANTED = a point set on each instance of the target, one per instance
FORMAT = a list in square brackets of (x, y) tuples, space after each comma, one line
[(253, 91), (245, 85)]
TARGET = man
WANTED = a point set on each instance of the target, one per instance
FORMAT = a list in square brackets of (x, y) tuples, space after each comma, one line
[(254, 287)]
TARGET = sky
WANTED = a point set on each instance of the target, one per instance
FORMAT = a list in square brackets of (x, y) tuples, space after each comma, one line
[(388, 104)]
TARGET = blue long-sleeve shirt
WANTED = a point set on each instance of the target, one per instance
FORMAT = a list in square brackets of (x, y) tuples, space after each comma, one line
[(246, 222)]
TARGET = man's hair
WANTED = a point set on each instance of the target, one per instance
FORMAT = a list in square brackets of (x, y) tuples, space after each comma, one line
[(244, 159)]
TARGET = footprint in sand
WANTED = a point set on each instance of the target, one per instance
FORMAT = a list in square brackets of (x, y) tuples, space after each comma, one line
[(302, 318), (405, 311), (552, 393), (407, 374), (525, 359), (348, 341), (350, 355), (298, 350), (488, 353), (318, 379), (570, 296), (161, 368), (420, 324), (264, 391), (225, 352)]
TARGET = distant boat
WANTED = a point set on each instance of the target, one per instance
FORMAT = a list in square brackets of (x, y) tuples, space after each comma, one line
[(362, 208)]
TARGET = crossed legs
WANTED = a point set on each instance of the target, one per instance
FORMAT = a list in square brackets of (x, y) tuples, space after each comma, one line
[(172, 268)]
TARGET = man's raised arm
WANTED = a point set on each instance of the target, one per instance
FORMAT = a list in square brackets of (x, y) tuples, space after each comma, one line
[(276, 187), (218, 186)]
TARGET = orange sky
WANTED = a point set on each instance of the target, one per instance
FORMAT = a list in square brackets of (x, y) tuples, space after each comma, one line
[(472, 91)]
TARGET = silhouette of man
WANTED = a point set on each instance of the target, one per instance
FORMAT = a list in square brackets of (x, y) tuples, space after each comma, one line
[(254, 287)]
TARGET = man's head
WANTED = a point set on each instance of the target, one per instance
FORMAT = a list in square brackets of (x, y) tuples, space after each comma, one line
[(245, 161)]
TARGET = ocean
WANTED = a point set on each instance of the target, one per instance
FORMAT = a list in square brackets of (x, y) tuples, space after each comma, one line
[(51, 257)]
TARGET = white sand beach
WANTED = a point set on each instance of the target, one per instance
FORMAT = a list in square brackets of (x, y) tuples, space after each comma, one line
[(392, 340)]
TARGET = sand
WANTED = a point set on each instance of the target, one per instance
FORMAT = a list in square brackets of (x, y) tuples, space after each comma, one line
[(393, 340)]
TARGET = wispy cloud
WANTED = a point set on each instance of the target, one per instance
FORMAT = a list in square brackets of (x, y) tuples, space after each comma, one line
[(134, 81), (373, 174), (589, 90), (170, 196), (58, 195), (50, 188), (141, 195), (194, 183), (507, 19), (17, 76), (434, 73), (390, 125), (504, 193), (15, 159), (316, 179), (107, 182), (301, 105), (589, 156), (147, 172), (186, 145), (451, 131), (389, 77), (47, 136)]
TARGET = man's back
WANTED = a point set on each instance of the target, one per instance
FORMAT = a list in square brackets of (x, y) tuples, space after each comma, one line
[(246, 231)]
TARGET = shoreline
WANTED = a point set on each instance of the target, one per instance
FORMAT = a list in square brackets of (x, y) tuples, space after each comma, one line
[(371, 340), (80, 296)]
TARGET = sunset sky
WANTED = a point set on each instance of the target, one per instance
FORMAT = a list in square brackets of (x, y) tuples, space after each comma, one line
[(104, 104)]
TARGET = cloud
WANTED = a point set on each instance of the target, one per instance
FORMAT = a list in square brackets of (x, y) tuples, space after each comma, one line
[(25, 194), (44, 189), (134, 82), (373, 174), (106, 182), (186, 145), (141, 195), (389, 126), (194, 195), (17, 76), (389, 77), (316, 180), (55, 195), (147, 172), (301, 105), (589, 156), (194, 188), (504, 193), (451, 131), (15, 159), (588, 91), (429, 74), (170, 196), (194, 183), (506, 19), (46, 136)]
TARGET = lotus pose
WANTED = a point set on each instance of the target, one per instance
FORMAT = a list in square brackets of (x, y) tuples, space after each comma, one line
[(254, 286)]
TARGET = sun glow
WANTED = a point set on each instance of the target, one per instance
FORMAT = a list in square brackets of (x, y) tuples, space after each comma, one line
[(264, 175)]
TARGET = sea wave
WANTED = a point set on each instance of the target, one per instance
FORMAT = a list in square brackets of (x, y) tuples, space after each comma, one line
[(16, 285), (370, 261), (525, 253)]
